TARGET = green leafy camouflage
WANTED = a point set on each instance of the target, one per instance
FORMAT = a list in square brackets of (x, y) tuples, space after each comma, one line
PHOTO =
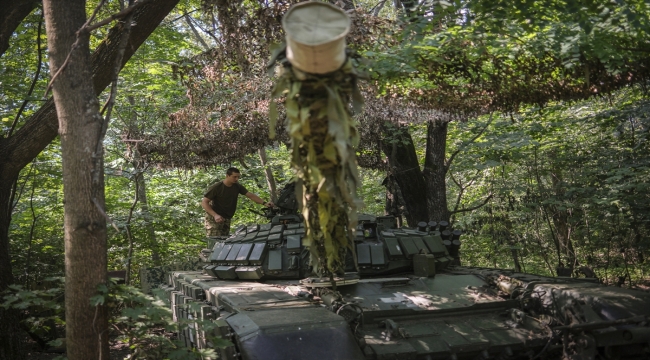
[(323, 135)]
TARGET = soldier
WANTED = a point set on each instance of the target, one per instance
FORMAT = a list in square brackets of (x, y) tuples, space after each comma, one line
[(220, 203)]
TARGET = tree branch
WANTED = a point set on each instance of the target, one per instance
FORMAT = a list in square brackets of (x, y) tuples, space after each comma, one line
[(460, 192), (471, 181), (14, 200), (485, 201), (99, 150), (12, 13), (462, 189), (215, 38), (183, 15), (31, 232), (188, 20), (74, 46), (35, 80), (377, 8), (108, 218), (462, 147), (92, 17), (114, 17)]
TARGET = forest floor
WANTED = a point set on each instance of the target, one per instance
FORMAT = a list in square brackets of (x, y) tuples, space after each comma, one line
[(119, 351)]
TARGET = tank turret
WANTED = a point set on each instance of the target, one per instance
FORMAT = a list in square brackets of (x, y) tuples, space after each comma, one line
[(275, 250)]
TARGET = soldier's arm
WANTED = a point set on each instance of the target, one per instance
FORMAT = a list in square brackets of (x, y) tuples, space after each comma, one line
[(258, 200), (205, 204)]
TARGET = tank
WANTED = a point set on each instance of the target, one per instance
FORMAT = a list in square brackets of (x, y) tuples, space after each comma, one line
[(404, 295)]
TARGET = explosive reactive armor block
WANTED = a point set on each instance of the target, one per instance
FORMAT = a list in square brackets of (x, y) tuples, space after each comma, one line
[(424, 265)]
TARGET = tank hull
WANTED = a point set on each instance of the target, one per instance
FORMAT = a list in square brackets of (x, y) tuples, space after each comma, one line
[(405, 297)]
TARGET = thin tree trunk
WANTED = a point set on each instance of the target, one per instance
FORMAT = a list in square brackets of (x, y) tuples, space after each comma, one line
[(543, 210), (515, 257), (542, 251), (129, 235), (512, 240), (28, 258), (146, 214), (561, 220), (198, 37), (638, 242), (139, 167), (80, 127), (270, 180), (435, 170)]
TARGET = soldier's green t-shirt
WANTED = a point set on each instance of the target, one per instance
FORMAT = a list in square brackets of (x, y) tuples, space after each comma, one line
[(224, 198)]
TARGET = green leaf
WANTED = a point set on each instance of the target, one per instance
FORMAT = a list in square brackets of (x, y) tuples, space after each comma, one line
[(97, 300)]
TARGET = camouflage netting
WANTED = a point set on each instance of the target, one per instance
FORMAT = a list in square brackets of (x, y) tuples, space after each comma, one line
[(229, 92), (478, 81), (217, 132)]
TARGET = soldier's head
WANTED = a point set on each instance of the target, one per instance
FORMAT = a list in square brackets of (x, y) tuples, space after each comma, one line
[(232, 175)]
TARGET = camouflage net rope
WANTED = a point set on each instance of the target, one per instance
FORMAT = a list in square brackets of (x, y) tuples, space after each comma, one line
[(323, 137)]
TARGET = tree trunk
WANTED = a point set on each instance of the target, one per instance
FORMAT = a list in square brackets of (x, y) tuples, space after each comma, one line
[(139, 167), (129, 235), (40, 129), (10, 331), (515, 256), (394, 204), (398, 146), (561, 220), (435, 171), (144, 207), (12, 14), (270, 180), (83, 179), (638, 241)]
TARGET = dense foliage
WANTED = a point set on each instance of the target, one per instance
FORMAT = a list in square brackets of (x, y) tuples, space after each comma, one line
[(570, 185)]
